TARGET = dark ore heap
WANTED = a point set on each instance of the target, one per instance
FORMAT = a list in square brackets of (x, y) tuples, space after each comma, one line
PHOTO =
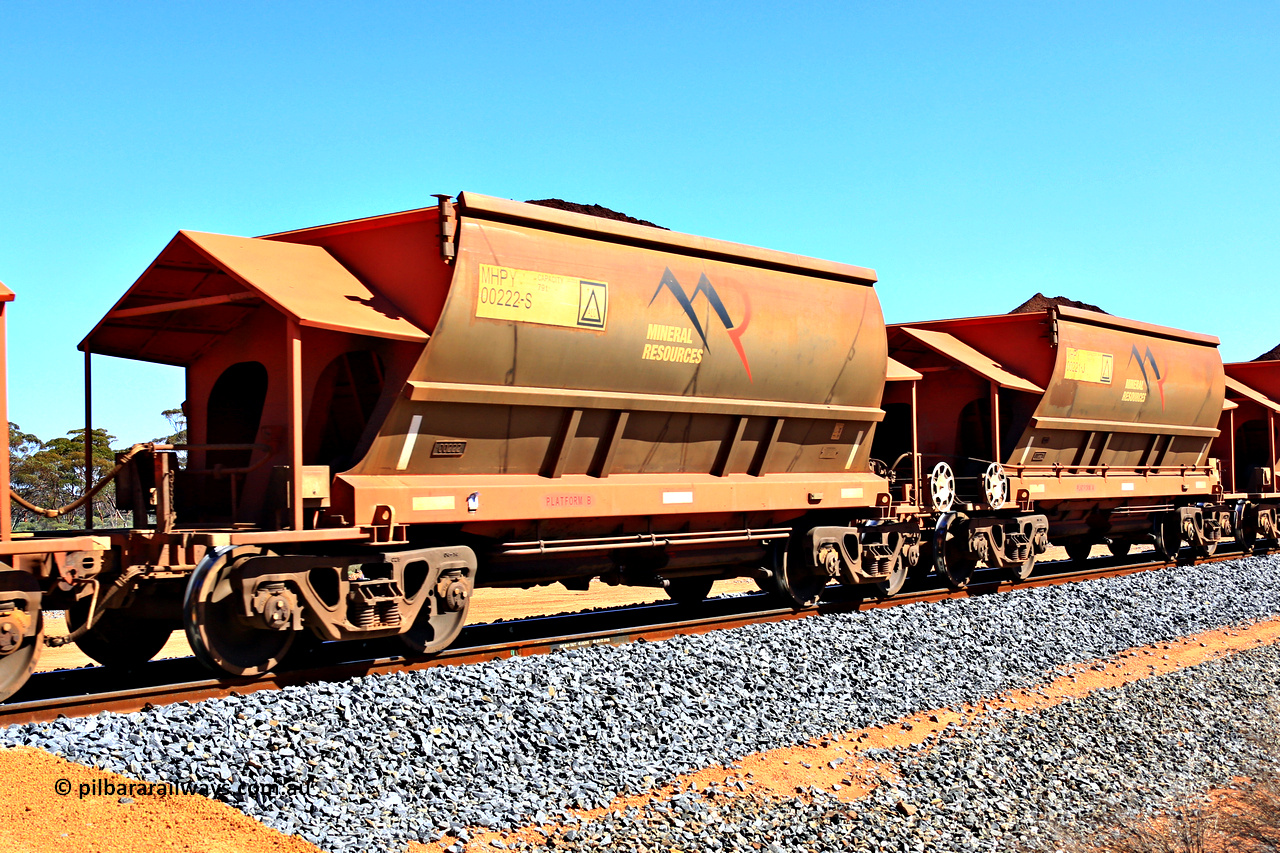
[(1040, 302), (1271, 355), (592, 210)]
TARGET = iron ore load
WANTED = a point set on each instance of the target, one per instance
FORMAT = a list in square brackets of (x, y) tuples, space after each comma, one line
[(385, 413)]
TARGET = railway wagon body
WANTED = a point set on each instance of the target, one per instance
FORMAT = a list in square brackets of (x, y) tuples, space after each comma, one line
[(1250, 451), (385, 412), (1063, 425)]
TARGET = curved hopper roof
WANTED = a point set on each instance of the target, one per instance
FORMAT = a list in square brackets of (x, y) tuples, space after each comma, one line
[(204, 285)]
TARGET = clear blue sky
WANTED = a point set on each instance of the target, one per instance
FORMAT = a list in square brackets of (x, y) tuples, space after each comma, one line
[(1124, 154)]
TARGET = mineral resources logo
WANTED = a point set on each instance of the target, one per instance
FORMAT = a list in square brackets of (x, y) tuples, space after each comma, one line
[(1136, 391), (677, 340)]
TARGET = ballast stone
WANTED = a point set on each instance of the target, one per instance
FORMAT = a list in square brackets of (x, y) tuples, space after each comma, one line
[(472, 745)]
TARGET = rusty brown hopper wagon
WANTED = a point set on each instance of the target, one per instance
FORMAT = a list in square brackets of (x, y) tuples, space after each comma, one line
[(385, 412), (1248, 449), (1060, 425)]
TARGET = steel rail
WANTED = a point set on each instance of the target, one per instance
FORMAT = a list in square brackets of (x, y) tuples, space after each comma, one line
[(88, 690)]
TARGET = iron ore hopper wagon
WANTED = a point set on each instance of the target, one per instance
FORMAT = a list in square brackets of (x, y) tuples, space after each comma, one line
[(385, 413), (1247, 447), (1059, 425)]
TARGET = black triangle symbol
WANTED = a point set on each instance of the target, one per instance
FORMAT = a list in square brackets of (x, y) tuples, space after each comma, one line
[(591, 313)]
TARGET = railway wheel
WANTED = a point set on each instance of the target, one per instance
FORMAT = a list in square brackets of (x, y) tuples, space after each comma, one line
[(1207, 549), (1246, 526), (220, 637), (893, 584), (1119, 548), (1264, 527), (796, 580), (949, 551), (304, 651), (119, 638), (442, 616), (1167, 534), (1078, 552), (1021, 571), (20, 645), (689, 591)]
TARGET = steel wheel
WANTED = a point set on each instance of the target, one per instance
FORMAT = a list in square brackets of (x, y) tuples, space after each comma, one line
[(302, 654), (1022, 571), (1246, 524), (119, 639), (1264, 528), (942, 487), (893, 584), (1078, 551), (795, 579), (1208, 549), (17, 665), (995, 486), (955, 567), (1168, 536), (442, 615), (689, 591), (220, 637), (1119, 548)]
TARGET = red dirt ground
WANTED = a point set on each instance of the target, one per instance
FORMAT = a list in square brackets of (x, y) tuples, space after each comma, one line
[(40, 820)]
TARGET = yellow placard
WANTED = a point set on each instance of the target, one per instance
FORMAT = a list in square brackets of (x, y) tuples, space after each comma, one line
[(1085, 365), (527, 296)]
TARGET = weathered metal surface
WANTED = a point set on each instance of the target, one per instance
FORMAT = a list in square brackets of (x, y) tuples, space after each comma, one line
[(504, 497), (1249, 444), (636, 357), (581, 397), (1128, 409), (523, 374), (957, 350), (1111, 373), (896, 371), (1238, 388), (55, 544), (659, 354), (166, 315), (397, 254), (1261, 376), (614, 231)]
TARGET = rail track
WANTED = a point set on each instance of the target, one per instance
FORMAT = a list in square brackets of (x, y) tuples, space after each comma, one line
[(91, 690)]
